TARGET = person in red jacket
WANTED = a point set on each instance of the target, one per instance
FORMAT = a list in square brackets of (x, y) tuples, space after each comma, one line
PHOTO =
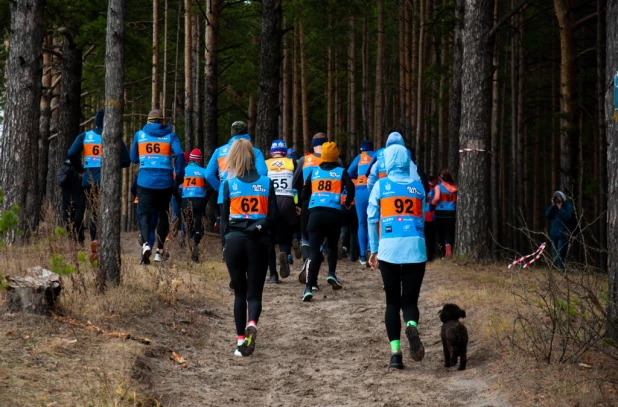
[(445, 201)]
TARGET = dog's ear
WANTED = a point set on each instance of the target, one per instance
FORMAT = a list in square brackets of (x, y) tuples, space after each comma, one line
[(462, 313)]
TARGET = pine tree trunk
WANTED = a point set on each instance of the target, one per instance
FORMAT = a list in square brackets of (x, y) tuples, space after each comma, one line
[(568, 130), (520, 193), (176, 64), (211, 84), (454, 114), (304, 89), (495, 128), (602, 170), (352, 136), (286, 93), (379, 94), (330, 95), (69, 109), (197, 86), (402, 65), (515, 45), (472, 235), (420, 106), (154, 103), (109, 204), (411, 140), (365, 79), (21, 126), (44, 122), (188, 76), (270, 70), (251, 115), (124, 175), (165, 64), (296, 125), (443, 107), (52, 191), (612, 168), (408, 70)]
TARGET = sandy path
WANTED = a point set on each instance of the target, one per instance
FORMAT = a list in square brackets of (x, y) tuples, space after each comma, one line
[(330, 352)]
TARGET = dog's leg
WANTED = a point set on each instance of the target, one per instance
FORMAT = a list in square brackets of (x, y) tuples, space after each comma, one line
[(454, 352), (463, 358), (447, 356)]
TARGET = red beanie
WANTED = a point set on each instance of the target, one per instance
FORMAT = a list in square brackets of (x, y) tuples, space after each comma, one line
[(196, 155)]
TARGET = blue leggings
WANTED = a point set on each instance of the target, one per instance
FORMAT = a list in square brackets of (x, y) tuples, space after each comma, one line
[(362, 202)]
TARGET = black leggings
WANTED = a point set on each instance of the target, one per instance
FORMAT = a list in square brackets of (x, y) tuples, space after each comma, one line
[(282, 233), (446, 231), (193, 211), (402, 285), (320, 225), (247, 261), (163, 227)]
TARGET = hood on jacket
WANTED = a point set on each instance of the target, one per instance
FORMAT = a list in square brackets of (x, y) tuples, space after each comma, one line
[(397, 160), (395, 139), (561, 194), (157, 129)]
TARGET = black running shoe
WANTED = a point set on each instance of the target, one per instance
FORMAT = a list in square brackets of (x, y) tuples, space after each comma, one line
[(396, 361), (334, 282), (273, 279), (307, 295), (284, 267), (248, 346), (417, 350)]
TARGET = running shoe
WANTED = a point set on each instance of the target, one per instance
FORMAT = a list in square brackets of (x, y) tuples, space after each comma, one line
[(290, 259), (93, 251), (248, 346), (284, 267), (195, 254), (146, 252), (158, 257), (296, 247), (307, 295), (273, 279), (449, 251), (396, 361), (334, 282), (417, 350), (237, 351), (315, 288), (302, 277), (363, 261), (344, 251)]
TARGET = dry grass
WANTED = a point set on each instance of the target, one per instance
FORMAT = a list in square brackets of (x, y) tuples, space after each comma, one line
[(47, 362)]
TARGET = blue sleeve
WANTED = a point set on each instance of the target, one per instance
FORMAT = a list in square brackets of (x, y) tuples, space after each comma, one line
[(260, 163), (125, 160), (75, 152), (373, 177), (211, 171), (353, 168), (179, 159), (565, 214), (550, 213), (134, 151), (373, 218)]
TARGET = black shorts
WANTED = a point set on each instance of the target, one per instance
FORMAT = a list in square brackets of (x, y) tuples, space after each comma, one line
[(153, 200)]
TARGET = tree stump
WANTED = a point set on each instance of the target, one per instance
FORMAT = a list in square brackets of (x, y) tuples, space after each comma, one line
[(35, 292)]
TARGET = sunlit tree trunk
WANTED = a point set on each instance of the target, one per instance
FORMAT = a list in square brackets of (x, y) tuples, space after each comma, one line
[(286, 93), (455, 104), (365, 79), (211, 85), (379, 94), (352, 135), (155, 54), (165, 64), (45, 119), (304, 89), (188, 76), (296, 124), (329, 94)]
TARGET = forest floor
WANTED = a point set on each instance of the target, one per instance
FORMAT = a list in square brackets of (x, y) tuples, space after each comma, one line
[(330, 352)]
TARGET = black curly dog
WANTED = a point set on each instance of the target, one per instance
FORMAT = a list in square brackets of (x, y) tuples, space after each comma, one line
[(454, 336)]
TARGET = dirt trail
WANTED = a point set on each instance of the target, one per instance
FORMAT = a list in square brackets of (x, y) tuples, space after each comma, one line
[(330, 352)]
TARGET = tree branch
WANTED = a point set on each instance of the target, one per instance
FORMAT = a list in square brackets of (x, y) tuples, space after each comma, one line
[(506, 18), (202, 10), (584, 20), (88, 53)]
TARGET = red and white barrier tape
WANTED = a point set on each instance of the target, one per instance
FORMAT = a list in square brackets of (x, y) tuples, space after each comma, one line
[(467, 150), (535, 256)]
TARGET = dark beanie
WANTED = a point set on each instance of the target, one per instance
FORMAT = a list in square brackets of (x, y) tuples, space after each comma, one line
[(366, 145), (98, 119), (239, 128)]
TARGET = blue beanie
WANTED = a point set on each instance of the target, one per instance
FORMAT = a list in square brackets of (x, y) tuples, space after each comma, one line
[(292, 154), (278, 147), (98, 119), (366, 145)]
